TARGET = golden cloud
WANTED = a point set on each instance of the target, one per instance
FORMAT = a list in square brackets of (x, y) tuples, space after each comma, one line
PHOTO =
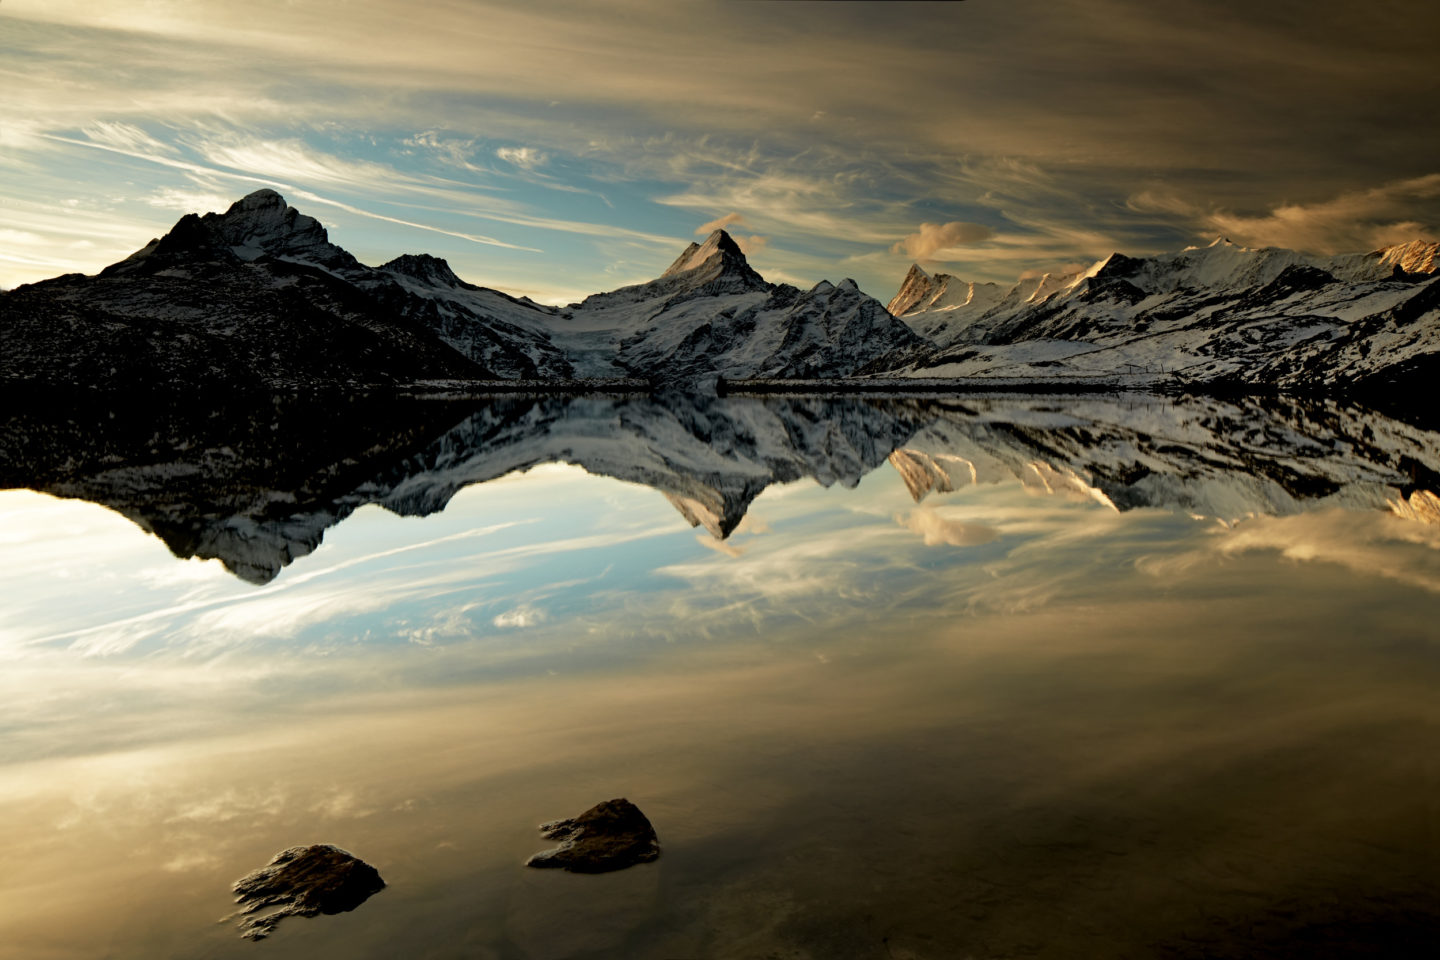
[(931, 238), (719, 223), (1351, 222), (937, 530)]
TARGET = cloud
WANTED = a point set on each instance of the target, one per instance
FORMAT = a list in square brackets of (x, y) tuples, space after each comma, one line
[(752, 244), (937, 530), (749, 245), (932, 238), (125, 135), (527, 158), (720, 223), (189, 201), (1395, 548), (525, 615), (1352, 222), (293, 159), (720, 546), (1040, 127), (20, 238)]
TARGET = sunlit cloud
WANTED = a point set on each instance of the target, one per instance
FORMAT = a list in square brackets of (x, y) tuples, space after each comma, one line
[(752, 244), (1400, 550), (936, 529), (719, 223), (934, 238), (720, 546), (749, 244), (614, 128), (1352, 222)]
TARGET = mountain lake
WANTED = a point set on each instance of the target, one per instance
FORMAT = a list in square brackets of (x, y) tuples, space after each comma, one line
[(949, 677)]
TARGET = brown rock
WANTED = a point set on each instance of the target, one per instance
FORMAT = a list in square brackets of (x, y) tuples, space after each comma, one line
[(609, 836), (303, 882)]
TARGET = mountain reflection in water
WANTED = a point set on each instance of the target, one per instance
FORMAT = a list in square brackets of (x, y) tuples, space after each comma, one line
[(256, 487), (982, 703)]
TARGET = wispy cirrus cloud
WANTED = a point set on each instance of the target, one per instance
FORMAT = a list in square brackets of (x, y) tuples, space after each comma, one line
[(1039, 129), (126, 135)]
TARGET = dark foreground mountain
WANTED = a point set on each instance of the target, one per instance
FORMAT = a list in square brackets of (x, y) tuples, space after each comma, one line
[(254, 297), (258, 486), (259, 297)]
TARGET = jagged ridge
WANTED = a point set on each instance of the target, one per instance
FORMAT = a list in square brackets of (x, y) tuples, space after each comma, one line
[(259, 290), (1220, 314)]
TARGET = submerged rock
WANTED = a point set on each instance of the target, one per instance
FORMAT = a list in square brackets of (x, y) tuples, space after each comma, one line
[(611, 835), (303, 882)]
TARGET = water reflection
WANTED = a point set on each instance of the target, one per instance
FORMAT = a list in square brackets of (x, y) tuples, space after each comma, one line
[(986, 702), (257, 487)]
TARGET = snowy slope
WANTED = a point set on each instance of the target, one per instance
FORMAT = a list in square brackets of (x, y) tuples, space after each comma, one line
[(711, 314), (1216, 314), (258, 297), (1209, 457)]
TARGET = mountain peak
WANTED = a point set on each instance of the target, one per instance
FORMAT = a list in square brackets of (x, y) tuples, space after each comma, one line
[(717, 260), (260, 199), (422, 266), (261, 222), (718, 246), (1417, 256), (258, 224), (914, 289)]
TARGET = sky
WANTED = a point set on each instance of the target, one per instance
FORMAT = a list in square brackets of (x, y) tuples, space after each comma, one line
[(559, 149)]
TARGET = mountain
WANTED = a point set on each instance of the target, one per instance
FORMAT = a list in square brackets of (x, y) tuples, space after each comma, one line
[(254, 297), (257, 485), (259, 297), (505, 335), (709, 314), (1262, 318)]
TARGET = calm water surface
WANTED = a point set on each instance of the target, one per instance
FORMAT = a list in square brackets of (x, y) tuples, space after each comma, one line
[(987, 694)]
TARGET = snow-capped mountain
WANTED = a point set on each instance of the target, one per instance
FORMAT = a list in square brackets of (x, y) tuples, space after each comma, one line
[(1267, 317), (505, 335), (710, 314), (258, 487), (258, 295)]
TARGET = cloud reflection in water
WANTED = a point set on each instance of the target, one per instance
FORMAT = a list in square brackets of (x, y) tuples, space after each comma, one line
[(950, 723)]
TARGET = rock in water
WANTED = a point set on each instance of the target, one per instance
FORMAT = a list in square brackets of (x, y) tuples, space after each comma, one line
[(303, 882), (609, 836)]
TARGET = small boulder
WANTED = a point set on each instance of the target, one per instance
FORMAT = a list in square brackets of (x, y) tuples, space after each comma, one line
[(302, 882), (609, 836)]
